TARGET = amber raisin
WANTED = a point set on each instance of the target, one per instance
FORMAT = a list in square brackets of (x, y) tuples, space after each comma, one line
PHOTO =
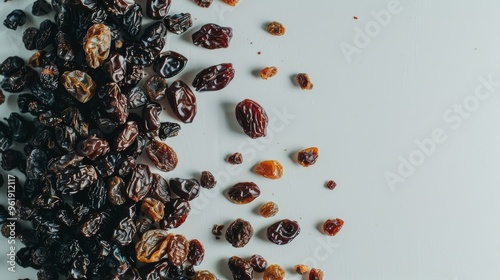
[(153, 208), (207, 180), (331, 184), (235, 158), (275, 28), (268, 72), (177, 250), (274, 272), (153, 245), (204, 275), (308, 157), (303, 81), (231, 2), (332, 227), (301, 269), (271, 169), (315, 274), (162, 155), (243, 193), (96, 44), (268, 210)]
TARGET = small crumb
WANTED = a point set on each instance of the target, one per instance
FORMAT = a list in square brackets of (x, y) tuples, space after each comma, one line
[(301, 269), (331, 184), (235, 158), (268, 72), (275, 28), (355, 17), (217, 230), (258, 53), (303, 81), (231, 2)]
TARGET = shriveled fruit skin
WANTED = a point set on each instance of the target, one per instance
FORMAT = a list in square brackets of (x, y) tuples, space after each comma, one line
[(270, 169), (252, 118), (162, 155)]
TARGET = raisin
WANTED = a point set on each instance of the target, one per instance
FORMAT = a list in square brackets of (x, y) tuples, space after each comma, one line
[(151, 116), (315, 274), (168, 129), (268, 72), (231, 2), (207, 180), (162, 155), (204, 275), (139, 183), (243, 193), (156, 88), (303, 81), (116, 67), (308, 157), (11, 159), (300, 269), (73, 180), (30, 36), (330, 184), (182, 101), (15, 19), (217, 230), (271, 169), (138, 54), (177, 250), (235, 158), (48, 31), (268, 210), (179, 23), (159, 189), (154, 37), (35, 60), (275, 28), (239, 233), (126, 136), (203, 3), (131, 21), (96, 44), (136, 98), (332, 227), (93, 147), (258, 263), (11, 65), (20, 129), (40, 8), (153, 208), (212, 36), (153, 245), (169, 64), (157, 9), (19, 80), (124, 232), (196, 252), (91, 225), (176, 212), (252, 118), (283, 232), (79, 85), (214, 77), (274, 272), (187, 189), (49, 77), (240, 268)]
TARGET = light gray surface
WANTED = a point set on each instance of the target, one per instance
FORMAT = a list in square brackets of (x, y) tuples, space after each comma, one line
[(366, 110)]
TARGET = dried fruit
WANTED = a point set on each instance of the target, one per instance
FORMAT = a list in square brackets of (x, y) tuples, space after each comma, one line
[(203, 3), (274, 272), (152, 208), (235, 158), (79, 85), (196, 252), (139, 183), (240, 268), (315, 274), (182, 101), (217, 230), (308, 157), (116, 190), (268, 72), (231, 2), (156, 88), (126, 136), (268, 210), (157, 9), (252, 118), (177, 250), (212, 36), (207, 180), (179, 23), (214, 77), (15, 19), (168, 129), (125, 232), (153, 245), (187, 189), (271, 169), (303, 81), (258, 263), (275, 28), (243, 193), (283, 232), (204, 275), (162, 155), (40, 8), (96, 44), (176, 212), (332, 227), (169, 64), (301, 269), (239, 233), (330, 184)]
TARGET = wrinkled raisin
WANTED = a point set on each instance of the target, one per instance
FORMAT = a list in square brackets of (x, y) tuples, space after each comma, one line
[(283, 232), (182, 101), (252, 118), (303, 81), (203, 3), (243, 193), (258, 263), (231, 2), (153, 245), (330, 184), (301, 269), (275, 28), (207, 180), (332, 227), (179, 23), (308, 157), (239, 233), (274, 272), (268, 72), (315, 274), (162, 155), (15, 19), (196, 252), (270, 209), (271, 169), (235, 158)]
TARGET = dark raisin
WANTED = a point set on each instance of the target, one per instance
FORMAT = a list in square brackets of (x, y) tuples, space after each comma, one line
[(182, 101), (196, 252), (49, 77), (40, 8), (283, 232), (169, 64), (258, 263), (308, 157), (15, 19), (139, 183), (179, 23), (332, 227), (214, 78), (187, 189), (136, 98), (162, 155), (116, 67), (243, 193), (48, 31), (207, 180), (240, 268), (252, 118), (239, 233), (20, 129), (168, 129), (330, 184), (303, 81), (235, 158), (176, 212), (212, 36), (203, 3), (157, 9), (156, 88), (11, 65)]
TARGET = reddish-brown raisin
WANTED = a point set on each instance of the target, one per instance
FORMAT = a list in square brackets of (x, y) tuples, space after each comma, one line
[(252, 118), (275, 28), (268, 72), (207, 180), (153, 245), (243, 193), (331, 184), (235, 158), (303, 81), (308, 157), (196, 252), (315, 274), (177, 250), (332, 227), (162, 155), (152, 208), (274, 272), (241, 269), (283, 232), (271, 169), (239, 233), (258, 263)]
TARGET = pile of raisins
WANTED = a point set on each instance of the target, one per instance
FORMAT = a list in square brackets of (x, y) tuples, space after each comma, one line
[(96, 211)]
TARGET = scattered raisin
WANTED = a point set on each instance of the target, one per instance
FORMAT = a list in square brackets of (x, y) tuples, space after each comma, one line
[(258, 263), (235, 158), (315, 274), (217, 230), (330, 184), (252, 118), (274, 272), (268, 210), (271, 169), (231, 2), (240, 268), (275, 28), (214, 77), (182, 101), (243, 193), (283, 232), (332, 227), (203, 3), (239, 233), (301, 269), (303, 81), (207, 180), (308, 157), (177, 250), (212, 36), (268, 72), (15, 19)]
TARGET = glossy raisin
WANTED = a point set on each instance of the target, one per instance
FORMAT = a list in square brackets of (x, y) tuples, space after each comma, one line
[(96, 44), (116, 67), (182, 101), (152, 208), (203, 3), (93, 147), (79, 85), (271, 169), (157, 9), (21, 130), (275, 28), (268, 210), (153, 245), (240, 268), (176, 212), (162, 155), (243, 193), (308, 157), (124, 232), (332, 227), (315, 274), (252, 118), (214, 78), (187, 189), (40, 8), (169, 64), (283, 232), (179, 23), (15, 19), (11, 65), (177, 250), (16, 82), (160, 189), (239, 233), (49, 77), (303, 81), (116, 190), (138, 54), (73, 180), (274, 272), (235, 158), (48, 31), (156, 88), (258, 263), (30, 36), (91, 225), (168, 129), (196, 252), (268, 72), (139, 183), (131, 21), (136, 97), (207, 180), (151, 115), (330, 184), (212, 36)]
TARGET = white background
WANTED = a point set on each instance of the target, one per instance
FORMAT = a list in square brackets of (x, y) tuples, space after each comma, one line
[(440, 223)]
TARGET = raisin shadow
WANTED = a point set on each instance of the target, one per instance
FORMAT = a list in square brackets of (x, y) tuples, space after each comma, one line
[(231, 121)]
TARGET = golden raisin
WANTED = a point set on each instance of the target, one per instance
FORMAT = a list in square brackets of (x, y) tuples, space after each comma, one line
[(153, 208), (275, 28), (269, 209), (332, 227), (35, 59), (79, 84), (331, 184), (153, 245), (274, 272), (231, 2), (96, 44), (315, 274), (308, 157), (303, 81), (270, 169), (301, 268), (204, 275), (268, 72)]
